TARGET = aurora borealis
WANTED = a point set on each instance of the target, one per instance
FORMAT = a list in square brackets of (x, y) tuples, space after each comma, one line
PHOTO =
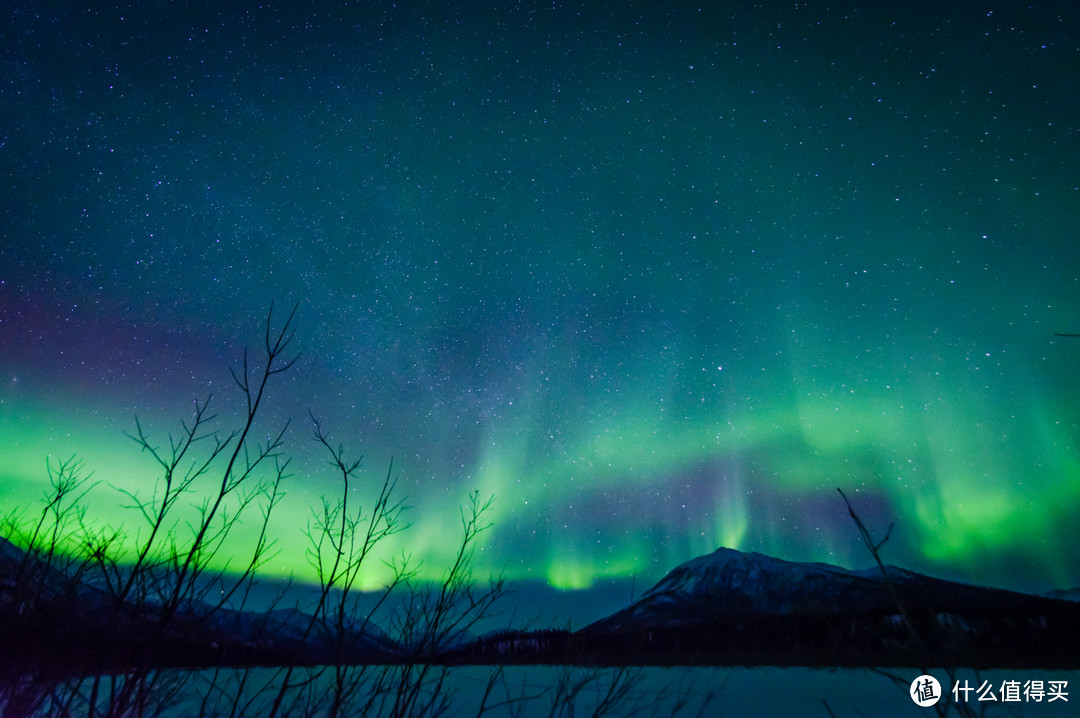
[(658, 276)]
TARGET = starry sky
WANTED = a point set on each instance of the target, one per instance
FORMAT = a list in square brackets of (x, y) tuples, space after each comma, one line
[(659, 276)]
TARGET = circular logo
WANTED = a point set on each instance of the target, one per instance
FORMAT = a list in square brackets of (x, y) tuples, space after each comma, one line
[(925, 691)]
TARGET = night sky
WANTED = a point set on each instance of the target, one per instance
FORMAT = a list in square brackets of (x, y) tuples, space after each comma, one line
[(660, 277)]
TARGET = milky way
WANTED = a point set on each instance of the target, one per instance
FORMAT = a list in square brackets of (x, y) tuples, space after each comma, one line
[(658, 277)]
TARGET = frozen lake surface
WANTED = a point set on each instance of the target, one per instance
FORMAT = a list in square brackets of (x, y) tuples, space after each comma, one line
[(520, 691), (781, 692)]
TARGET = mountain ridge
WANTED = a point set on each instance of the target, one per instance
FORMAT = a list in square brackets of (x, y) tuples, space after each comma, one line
[(734, 608), (750, 583)]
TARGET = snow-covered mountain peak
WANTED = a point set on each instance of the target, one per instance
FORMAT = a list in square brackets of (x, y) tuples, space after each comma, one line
[(726, 570), (730, 582), (750, 608)]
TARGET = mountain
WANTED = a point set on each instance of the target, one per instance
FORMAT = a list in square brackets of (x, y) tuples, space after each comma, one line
[(735, 607), (53, 616), (731, 583)]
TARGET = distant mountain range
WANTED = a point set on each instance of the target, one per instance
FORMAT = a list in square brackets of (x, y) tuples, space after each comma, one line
[(52, 618), (729, 583), (731, 607), (726, 608)]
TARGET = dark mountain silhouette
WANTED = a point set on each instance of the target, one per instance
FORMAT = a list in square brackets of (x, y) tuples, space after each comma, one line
[(730, 583), (731, 606), (734, 608), (54, 619), (726, 608)]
